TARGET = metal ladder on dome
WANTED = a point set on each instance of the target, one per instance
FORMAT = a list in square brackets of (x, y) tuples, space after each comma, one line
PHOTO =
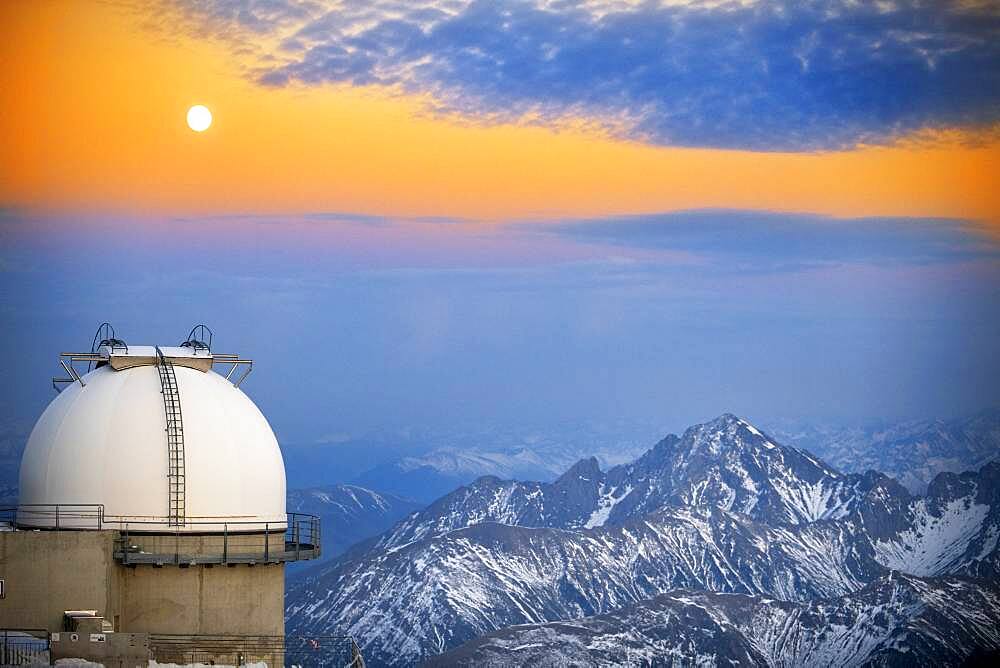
[(175, 439)]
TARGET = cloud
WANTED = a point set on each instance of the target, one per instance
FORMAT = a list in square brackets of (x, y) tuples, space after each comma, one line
[(784, 75), (331, 217), (748, 241)]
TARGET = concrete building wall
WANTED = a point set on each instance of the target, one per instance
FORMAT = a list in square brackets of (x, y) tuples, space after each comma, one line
[(240, 600), (42, 580), (49, 572)]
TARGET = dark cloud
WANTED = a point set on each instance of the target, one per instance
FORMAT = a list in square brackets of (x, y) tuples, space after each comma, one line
[(766, 76)]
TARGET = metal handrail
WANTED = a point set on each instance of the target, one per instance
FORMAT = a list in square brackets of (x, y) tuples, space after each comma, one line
[(67, 361), (291, 650), (247, 541), (235, 361), (57, 512), (24, 647), (102, 520), (243, 539), (196, 338), (105, 336)]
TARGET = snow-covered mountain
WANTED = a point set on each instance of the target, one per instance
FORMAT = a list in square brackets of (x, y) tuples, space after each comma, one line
[(724, 508), (726, 463), (954, 529), (895, 620), (913, 452), (349, 514), (436, 593)]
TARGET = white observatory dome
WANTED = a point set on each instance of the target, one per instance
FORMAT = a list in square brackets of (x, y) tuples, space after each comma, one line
[(103, 441)]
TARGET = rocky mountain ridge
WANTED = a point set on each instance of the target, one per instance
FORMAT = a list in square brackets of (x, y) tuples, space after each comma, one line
[(726, 463), (897, 620), (724, 508)]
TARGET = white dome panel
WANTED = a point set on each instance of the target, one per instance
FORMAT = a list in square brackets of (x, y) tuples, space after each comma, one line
[(105, 443)]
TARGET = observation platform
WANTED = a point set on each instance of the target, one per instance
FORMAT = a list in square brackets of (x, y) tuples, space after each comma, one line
[(157, 541)]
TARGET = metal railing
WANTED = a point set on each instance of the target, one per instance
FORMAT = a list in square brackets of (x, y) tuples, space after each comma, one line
[(154, 540), (106, 345), (30, 647), (218, 541), (24, 647), (339, 651), (68, 362), (54, 516), (236, 361), (307, 651)]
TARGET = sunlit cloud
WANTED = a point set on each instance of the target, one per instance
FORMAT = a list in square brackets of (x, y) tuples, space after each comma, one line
[(771, 76)]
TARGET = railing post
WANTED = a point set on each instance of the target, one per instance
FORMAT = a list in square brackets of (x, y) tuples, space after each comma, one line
[(57, 515), (225, 543), (267, 542)]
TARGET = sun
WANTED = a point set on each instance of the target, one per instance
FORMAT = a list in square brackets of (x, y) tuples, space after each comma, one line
[(199, 118)]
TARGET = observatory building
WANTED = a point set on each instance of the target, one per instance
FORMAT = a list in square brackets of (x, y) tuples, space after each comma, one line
[(151, 521)]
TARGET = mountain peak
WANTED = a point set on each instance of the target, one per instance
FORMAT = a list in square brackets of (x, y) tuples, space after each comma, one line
[(726, 423), (724, 420), (587, 469), (725, 433)]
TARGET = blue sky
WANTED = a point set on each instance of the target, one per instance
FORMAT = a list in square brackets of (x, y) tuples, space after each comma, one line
[(667, 319), (403, 210)]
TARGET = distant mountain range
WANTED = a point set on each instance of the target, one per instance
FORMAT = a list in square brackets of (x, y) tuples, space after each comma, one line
[(427, 465), (13, 438), (349, 514), (432, 474), (912, 452), (723, 509)]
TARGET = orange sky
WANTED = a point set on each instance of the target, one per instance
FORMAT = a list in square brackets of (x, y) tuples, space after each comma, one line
[(92, 117)]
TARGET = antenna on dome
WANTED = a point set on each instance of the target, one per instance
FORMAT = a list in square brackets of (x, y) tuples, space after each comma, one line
[(199, 338), (105, 336)]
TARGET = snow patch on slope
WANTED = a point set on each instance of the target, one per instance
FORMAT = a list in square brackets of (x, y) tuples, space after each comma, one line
[(605, 504), (935, 542)]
